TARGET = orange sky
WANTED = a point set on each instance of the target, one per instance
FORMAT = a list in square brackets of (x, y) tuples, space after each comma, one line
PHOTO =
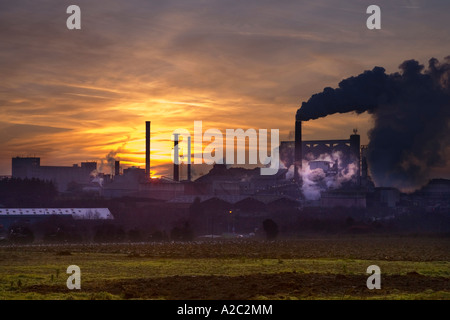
[(71, 96)]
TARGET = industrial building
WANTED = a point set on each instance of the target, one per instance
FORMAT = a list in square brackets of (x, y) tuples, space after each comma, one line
[(232, 199), (222, 180), (30, 167), (29, 216), (295, 152), (334, 198)]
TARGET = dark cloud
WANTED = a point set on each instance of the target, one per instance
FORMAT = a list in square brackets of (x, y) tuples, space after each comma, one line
[(411, 112), (224, 59)]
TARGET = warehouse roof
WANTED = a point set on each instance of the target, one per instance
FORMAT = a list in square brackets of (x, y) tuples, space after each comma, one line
[(76, 213)]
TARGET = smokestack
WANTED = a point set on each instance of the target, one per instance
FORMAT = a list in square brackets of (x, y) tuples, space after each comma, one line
[(410, 111), (364, 168), (176, 171), (147, 149), (298, 149), (116, 168), (189, 175), (355, 147)]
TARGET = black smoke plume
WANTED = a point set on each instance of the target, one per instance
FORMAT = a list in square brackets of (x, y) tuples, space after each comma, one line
[(411, 112)]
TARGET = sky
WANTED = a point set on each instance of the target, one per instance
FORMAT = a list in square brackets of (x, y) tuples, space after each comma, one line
[(69, 96)]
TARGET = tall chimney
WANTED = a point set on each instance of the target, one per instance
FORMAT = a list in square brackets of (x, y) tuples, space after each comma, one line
[(355, 147), (116, 168), (176, 171), (189, 175), (147, 149), (298, 149)]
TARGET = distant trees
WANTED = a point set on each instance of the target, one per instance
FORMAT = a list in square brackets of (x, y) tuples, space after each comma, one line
[(20, 234), (184, 233), (134, 235), (109, 232), (197, 217), (271, 229), (59, 229), (349, 221), (158, 236), (74, 187), (16, 192)]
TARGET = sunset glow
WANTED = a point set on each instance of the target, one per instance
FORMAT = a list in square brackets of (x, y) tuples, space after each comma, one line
[(68, 96)]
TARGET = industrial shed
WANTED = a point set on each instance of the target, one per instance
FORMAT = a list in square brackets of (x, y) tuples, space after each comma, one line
[(76, 213), (10, 216)]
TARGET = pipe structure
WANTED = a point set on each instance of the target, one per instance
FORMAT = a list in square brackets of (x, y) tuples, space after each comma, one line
[(147, 149), (298, 149), (176, 160), (189, 174)]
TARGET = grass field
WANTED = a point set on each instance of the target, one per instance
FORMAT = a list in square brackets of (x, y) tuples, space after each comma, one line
[(320, 268)]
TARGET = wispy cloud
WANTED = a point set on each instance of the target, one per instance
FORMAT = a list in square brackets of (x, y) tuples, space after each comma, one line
[(230, 63)]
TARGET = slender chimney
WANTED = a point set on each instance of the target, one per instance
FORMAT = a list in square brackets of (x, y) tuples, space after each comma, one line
[(355, 147), (298, 149), (176, 171), (116, 168), (147, 149), (189, 175)]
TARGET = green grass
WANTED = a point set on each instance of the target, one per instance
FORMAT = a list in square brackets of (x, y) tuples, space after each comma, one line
[(113, 266), (22, 269), (427, 295)]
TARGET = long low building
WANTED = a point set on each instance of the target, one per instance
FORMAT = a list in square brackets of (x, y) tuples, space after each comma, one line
[(13, 216), (76, 213), (62, 177), (343, 198)]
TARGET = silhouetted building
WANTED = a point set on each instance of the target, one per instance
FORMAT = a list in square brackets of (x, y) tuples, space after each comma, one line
[(343, 198), (311, 150), (25, 167), (29, 216), (61, 176), (387, 197)]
